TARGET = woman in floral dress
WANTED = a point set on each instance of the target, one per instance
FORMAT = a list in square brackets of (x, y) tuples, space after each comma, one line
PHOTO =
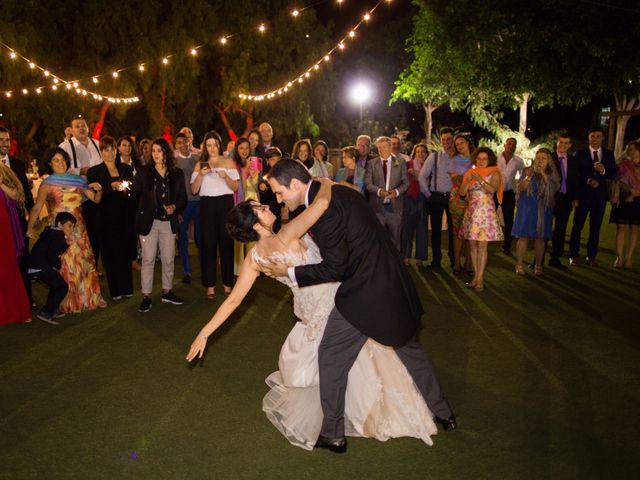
[(65, 192), (480, 222)]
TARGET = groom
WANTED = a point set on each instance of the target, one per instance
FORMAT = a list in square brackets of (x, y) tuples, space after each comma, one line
[(376, 299)]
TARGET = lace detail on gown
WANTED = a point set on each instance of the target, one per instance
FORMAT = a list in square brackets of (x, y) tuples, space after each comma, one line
[(382, 401)]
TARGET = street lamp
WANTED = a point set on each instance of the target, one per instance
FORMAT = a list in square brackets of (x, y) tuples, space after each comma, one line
[(360, 93)]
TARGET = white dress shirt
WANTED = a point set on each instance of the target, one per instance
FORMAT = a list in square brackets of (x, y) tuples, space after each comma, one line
[(5, 160), (291, 271), (509, 170), (86, 155), (389, 162)]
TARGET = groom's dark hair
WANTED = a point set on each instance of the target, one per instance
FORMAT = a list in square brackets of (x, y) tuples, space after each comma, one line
[(286, 170)]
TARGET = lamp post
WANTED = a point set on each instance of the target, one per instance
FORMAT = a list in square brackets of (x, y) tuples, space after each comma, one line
[(360, 93)]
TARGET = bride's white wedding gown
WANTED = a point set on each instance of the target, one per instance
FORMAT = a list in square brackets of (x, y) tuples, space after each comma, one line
[(382, 401)]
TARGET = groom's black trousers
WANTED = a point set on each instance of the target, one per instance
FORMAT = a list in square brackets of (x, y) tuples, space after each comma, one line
[(339, 348)]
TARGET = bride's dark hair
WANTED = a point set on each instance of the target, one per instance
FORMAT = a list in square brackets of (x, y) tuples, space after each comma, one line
[(240, 222)]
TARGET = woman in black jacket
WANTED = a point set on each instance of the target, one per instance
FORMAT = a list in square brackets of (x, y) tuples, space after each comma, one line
[(162, 197), (115, 218)]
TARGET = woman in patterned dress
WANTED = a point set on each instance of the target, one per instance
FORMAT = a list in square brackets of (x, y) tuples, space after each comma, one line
[(480, 222), (65, 192)]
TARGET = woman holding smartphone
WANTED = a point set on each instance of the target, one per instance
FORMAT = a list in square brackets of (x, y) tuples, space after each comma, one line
[(216, 179)]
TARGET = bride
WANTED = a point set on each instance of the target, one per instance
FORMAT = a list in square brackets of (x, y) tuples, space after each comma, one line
[(382, 401)]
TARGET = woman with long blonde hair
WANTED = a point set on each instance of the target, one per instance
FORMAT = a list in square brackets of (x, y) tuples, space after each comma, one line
[(534, 215)]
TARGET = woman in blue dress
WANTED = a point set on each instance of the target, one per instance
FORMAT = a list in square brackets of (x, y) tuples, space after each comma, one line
[(534, 213)]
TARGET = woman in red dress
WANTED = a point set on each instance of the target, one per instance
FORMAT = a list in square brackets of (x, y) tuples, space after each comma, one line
[(14, 303)]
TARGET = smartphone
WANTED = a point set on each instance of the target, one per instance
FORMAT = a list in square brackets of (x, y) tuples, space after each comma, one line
[(255, 163)]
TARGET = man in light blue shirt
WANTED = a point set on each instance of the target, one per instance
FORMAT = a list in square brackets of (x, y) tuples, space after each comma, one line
[(435, 184)]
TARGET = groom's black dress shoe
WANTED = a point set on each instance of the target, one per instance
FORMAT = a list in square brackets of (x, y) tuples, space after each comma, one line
[(448, 423), (336, 445)]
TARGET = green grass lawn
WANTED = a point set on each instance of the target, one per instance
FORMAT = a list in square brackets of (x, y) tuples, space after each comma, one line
[(543, 374)]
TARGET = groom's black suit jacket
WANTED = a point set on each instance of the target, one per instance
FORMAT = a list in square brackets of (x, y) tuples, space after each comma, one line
[(377, 295)]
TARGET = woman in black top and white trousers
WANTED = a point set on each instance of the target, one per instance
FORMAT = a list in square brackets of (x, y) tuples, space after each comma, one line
[(215, 178), (162, 197)]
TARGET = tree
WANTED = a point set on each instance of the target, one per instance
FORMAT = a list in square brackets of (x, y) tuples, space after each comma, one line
[(200, 91), (496, 54)]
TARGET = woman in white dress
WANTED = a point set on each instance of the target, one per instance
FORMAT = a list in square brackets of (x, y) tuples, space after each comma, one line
[(382, 401)]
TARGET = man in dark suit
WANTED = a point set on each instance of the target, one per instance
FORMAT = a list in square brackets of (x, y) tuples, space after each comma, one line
[(596, 165), (376, 298), (386, 181), (566, 198), (18, 167)]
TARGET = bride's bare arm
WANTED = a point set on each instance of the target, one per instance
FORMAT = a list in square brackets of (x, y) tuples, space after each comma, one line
[(248, 274), (297, 227)]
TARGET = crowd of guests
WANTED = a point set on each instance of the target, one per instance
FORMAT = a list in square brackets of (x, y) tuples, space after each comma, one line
[(122, 203)]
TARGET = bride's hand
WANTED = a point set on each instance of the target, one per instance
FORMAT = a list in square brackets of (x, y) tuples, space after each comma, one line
[(197, 347)]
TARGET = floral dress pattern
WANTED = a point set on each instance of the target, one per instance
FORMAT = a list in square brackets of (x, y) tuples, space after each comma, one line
[(480, 221), (78, 264)]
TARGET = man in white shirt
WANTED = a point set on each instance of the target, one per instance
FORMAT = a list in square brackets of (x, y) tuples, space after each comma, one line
[(266, 133), (396, 145), (84, 153), (186, 161), (82, 149), (597, 166), (510, 165), (386, 181), (363, 144), (187, 131), (435, 185)]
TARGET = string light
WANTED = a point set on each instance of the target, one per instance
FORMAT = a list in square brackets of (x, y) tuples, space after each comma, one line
[(70, 85), (193, 51), (340, 45)]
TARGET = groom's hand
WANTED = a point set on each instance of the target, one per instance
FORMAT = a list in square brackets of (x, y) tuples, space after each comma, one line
[(274, 269)]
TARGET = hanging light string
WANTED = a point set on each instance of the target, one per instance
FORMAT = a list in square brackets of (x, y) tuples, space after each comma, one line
[(300, 79), (58, 83), (73, 86)]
